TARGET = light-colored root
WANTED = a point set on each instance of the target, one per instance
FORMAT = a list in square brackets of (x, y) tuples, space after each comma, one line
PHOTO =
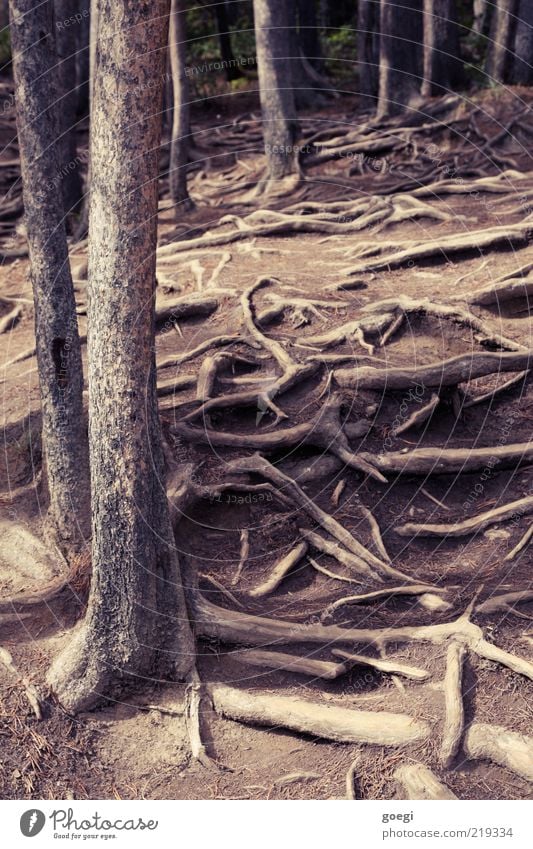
[(183, 308), (175, 384), (391, 667), (29, 689), (351, 776), (280, 570), (326, 721), (505, 602), (416, 781), (355, 563), (9, 320), (494, 393), (444, 373), (377, 595), (323, 571), (323, 669), (193, 698), (521, 507), (433, 499), (245, 552), (418, 417), (506, 748), (337, 493), (498, 293), (521, 544), (426, 461), (215, 342), (375, 532), (454, 718)]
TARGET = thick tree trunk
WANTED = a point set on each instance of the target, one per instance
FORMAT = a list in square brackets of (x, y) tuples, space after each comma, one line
[(67, 27), (500, 51), (400, 54), (368, 49), (56, 328), (521, 72), (442, 63), (224, 39), (277, 100), (136, 624), (181, 111)]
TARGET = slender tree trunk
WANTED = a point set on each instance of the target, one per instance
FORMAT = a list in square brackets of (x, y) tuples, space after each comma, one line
[(303, 88), (136, 624), (500, 51), (309, 34), (224, 39), (181, 111), (400, 54), (56, 328), (67, 27), (368, 48), (521, 72), (277, 99), (442, 64), (481, 17)]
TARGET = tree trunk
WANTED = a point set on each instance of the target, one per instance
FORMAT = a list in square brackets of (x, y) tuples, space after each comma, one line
[(181, 111), (309, 34), (136, 624), (277, 99), (56, 327), (482, 14), (500, 55), (442, 64), (303, 89), (67, 28), (83, 59), (400, 54), (522, 66), (224, 38), (368, 49)]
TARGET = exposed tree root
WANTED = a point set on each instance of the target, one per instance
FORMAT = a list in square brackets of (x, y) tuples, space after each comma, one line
[(392, 667), (521, 507), (425, 461), (521, 544), (324, 669), (449, 372), (505, 602), (506, 748), (10, 319), (245, 552), (418, 417), (499, 293), (454, 718), (416, 781), (280, 570), (185, 307), (29, 689), (215, 342), (326, 721), (473, 240), (193, 698), (377, 595)]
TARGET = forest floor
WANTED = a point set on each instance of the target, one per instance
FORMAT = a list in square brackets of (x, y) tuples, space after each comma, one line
[(138, 748)]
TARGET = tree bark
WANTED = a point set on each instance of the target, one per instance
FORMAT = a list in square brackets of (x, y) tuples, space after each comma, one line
[(83, 59), (181, 112), (442, 64), (56, 329), (500, 54), (224, 39), (400, 54), (276, 94), (368, 48), (136, 623), (67, 28), (522, 66)]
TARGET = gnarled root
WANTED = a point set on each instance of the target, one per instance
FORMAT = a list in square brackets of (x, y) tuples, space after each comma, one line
[(506, 748), (416, 781)]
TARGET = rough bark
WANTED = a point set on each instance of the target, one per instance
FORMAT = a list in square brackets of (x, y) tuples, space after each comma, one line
[(368, 48), (499, 54), (400, 54), (136, 623), (521, 72), (56, 328), (67, 28), (181, 116), (442, 65), (277, 98)]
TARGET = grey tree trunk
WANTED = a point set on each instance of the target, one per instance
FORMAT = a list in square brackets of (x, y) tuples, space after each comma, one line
[(181, 111), (442, 62), (521, 72), (83, 58), (368, 49), (136, 625), (500, 51), (56, 328), (67, 28), (400, 54), (276, 93)]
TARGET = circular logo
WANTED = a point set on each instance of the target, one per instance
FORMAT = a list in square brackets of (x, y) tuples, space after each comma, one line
[(32, 822)]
